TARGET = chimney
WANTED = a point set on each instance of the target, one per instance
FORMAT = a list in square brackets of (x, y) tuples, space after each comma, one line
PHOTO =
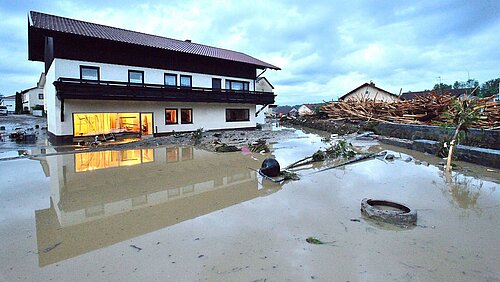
[(188, 40)]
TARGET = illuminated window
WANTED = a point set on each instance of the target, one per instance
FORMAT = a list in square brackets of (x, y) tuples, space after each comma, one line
[(91, 124), (89, 73), (237, 115), (170, 79), (135, 76), (170, 116), (186, 115)]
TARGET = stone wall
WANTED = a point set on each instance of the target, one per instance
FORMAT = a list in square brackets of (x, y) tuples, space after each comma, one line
[(483, 138)]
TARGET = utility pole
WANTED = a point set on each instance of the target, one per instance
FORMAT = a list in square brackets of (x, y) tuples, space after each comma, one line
[(440, 85)]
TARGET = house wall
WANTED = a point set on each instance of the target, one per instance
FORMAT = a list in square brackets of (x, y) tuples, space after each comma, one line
[(372, 93), (10, 104), (71, 69), (208, 116), (31, 98), (52, 104), (263, 86)]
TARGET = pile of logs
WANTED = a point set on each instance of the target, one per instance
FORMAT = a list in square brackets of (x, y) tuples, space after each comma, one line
[(429, 109)]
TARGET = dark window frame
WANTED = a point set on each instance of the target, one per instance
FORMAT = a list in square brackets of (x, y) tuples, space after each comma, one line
[(190, 80), (187, 109), (238, 120), (136, 71), (219, 81), (169, 74), (40, 95), (245, 83), (176, 116), (90, 67)]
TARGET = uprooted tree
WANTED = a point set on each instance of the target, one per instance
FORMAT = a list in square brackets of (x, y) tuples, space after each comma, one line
[(462, 114)]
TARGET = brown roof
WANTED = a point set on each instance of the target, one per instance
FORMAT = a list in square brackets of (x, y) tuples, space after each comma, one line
[(364, 85), (451, 92), (71, 26)]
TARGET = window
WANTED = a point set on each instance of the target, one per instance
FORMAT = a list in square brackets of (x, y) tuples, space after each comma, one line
[(89, 73), (237, 85), (237, 114), (170, 116), (40, 96), (170, 79), (135, 76), (186, 115), (216, 83), (186, 81)]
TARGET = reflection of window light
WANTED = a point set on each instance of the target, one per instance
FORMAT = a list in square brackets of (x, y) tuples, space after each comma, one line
[(187, 153), (148, 155), (172, 155)]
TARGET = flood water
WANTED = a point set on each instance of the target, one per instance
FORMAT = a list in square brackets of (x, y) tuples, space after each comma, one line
[(182, 214)]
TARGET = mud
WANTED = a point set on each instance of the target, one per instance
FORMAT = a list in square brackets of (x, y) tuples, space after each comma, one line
[(179, 213)]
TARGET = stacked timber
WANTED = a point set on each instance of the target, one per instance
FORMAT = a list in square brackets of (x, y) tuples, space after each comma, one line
[(429, 110)]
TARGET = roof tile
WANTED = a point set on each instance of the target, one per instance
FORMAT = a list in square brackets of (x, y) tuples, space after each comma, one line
[(66, 25)]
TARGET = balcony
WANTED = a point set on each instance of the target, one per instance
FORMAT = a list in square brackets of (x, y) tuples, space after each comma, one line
[(71, 88)]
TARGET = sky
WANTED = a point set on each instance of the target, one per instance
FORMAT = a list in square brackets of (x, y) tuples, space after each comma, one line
[(325, 48)]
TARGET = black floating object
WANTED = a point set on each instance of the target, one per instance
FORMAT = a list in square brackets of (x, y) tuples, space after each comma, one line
[(270, 167)]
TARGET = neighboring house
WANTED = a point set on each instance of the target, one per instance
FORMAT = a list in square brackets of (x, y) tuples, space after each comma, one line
[(10, 103), (369, 91), (33, 97), (121, 81), (293, 112), (263, 85), (452, 92), (308, 109)]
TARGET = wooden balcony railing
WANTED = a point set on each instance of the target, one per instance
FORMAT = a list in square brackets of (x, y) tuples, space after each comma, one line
[(71, 88)]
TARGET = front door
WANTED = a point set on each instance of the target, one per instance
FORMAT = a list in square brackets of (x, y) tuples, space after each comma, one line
[(146, 124)]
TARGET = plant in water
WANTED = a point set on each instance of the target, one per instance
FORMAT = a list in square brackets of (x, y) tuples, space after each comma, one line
[(462, 115), (197, 135), (341, 149)]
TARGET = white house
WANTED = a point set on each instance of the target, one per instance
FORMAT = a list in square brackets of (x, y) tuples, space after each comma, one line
[(369, 91), (308, 109), (121, 81), (10, 103), (33, 97)]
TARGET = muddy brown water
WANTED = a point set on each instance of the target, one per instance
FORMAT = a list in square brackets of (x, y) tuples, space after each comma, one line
[(182, 214)]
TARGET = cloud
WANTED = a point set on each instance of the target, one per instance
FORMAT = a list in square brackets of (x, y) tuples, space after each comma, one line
[(324, 48)]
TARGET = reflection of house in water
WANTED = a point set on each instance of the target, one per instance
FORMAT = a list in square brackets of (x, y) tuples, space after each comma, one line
[(102, 198)]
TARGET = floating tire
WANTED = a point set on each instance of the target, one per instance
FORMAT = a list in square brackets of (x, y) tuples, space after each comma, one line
[(389, 212)]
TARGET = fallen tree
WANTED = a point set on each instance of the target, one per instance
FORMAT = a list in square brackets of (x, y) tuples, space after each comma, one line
[(431, 110)]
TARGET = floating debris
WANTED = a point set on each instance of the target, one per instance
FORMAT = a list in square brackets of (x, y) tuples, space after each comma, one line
[(51, 247), (312, 240), (135, 247)]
